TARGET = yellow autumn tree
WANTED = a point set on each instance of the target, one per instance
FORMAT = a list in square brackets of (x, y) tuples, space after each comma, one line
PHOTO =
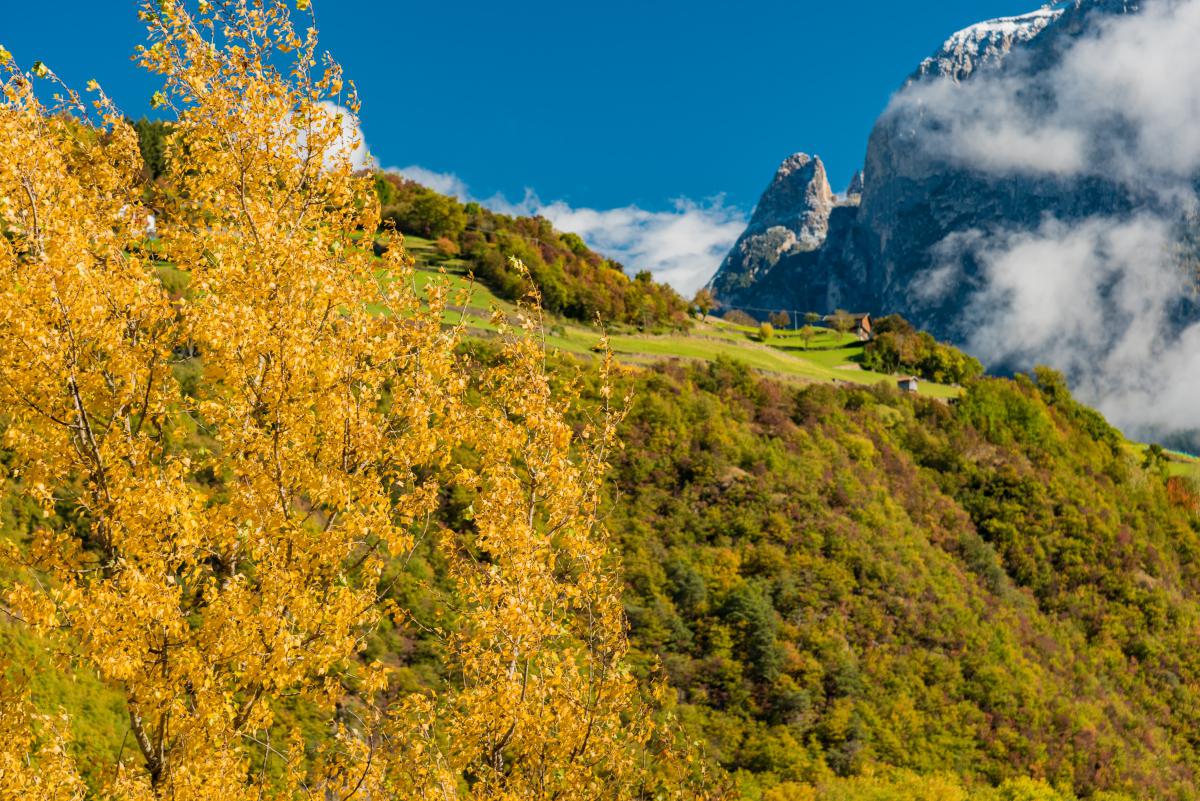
[(215, 552), (546, 707), (34, 759)]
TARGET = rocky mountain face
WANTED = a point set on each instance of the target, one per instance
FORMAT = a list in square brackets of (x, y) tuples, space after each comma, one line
[(799, 246), (869, 250), (986, 44), (792, 218)]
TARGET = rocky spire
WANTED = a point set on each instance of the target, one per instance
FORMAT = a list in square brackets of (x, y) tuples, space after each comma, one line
[(799, 199), (855, 189), (792, 216)]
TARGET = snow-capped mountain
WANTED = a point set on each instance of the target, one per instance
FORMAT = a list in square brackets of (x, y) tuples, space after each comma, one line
[(986, 44), (1032, 193), (917, 191)]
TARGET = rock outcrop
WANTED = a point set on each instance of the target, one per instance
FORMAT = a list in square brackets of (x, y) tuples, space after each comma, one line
[(808, 250), (985, 45), (791, 218)]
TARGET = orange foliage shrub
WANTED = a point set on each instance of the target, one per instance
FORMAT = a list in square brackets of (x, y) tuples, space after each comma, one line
[(1182, 492)]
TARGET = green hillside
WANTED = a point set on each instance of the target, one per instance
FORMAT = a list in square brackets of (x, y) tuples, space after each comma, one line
[(572, 280), (973, 592), (840, 580), (827, 357), (844, 581)]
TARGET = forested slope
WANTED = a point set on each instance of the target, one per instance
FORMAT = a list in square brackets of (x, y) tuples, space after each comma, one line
[(934, 597), (840, 582), (573, 280), (842, 579)]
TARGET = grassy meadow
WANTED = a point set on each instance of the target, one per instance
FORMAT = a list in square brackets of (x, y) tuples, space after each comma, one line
[(828, 357)]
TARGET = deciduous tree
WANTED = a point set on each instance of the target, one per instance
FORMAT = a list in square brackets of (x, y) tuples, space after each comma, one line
[(218, 554)]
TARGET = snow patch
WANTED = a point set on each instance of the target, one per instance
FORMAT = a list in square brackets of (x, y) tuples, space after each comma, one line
[(987, 43)]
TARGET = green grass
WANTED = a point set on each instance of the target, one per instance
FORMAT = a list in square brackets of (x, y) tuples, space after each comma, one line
[(642, 348), (1184, 469), (848, 357), (99, 720), (1183, 465), (823, 339), (1179, 464), (827, 357)]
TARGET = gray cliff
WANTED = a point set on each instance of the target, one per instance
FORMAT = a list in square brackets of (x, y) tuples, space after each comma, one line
[(791, 218), (806, 249)]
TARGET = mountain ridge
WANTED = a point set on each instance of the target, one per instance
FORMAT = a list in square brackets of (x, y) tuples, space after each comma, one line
[(1015, 133), (985, 43)]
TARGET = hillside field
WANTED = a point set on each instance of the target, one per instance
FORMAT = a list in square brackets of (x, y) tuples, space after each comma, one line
[(830, 357)]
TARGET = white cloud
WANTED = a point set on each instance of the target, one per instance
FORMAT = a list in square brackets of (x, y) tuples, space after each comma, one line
[(1123, 102), (1105, 299), (350, 141), (1098, 299), (682, 247), (445, 182)]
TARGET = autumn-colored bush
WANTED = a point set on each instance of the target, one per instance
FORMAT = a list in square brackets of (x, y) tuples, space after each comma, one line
[(896, 347), (572, 279), (1183, 492)]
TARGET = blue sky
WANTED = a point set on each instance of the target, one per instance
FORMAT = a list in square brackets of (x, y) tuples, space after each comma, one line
[(658, 106)]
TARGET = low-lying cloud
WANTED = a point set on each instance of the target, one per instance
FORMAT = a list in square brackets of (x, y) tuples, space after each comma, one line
[(1108, 299), (1099, 299), (682, 246), (1123, 102)]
